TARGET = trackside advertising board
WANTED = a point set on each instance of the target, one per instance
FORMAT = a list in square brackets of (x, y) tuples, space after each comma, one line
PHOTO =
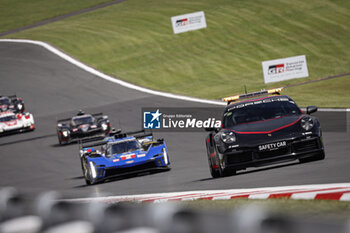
[(284, 69), (188, 22)]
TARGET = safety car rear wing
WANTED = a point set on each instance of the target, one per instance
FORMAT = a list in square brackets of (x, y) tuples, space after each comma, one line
[(235, 98)]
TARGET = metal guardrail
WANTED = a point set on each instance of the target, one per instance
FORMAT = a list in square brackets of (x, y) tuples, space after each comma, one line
[(49, 214)]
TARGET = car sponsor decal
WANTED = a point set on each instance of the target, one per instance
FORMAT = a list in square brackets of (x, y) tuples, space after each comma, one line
[(84, 128), (131, 156), (141, 155), (262, 100), (116, 160), (272, 146), (3, 107), (131, 161)]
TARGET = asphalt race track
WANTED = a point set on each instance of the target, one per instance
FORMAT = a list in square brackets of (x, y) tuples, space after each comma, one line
[(53, 88)]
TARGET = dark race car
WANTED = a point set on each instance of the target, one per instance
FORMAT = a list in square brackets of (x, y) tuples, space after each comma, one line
[(11, 103), (82, 126), (263, 128)]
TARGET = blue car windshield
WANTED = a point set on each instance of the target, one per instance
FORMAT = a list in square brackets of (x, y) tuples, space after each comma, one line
[(125, 146), (259, 111)]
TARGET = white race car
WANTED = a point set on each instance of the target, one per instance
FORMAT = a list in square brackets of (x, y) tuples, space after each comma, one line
[(11, 122)]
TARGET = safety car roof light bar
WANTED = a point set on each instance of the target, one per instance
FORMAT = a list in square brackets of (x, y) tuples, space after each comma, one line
[(230, 99)]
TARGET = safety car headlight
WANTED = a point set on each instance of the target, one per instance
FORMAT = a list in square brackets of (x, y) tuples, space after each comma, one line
[(228, 137), (104, 126), (65, 133), (165, 156), (93, 170), (307, 123), (20, 106)]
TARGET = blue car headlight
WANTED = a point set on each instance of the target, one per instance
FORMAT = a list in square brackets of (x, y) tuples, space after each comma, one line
[(165, 156), (93, 170)]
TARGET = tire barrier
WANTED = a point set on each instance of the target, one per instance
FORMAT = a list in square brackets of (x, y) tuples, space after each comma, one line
[(49, 213)]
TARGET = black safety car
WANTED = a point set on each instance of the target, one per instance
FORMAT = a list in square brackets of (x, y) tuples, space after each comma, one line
[(11, 103), (82, 126), (263, 128)]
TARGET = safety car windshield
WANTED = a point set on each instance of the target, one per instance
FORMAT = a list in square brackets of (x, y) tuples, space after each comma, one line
[(7, 118), (259, 111), (125, 146)]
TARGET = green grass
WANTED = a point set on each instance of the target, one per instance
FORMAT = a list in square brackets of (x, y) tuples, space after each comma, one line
[(328, 93), (134, 41), (315, 208), (19, 13)]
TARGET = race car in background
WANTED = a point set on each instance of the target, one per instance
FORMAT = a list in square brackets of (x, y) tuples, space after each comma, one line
[(11, 122), (82, 126), (11, 103), (123, 154), (263, 128)]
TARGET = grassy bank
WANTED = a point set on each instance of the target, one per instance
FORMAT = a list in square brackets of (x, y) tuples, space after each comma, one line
[(19, 13), (134, 41)]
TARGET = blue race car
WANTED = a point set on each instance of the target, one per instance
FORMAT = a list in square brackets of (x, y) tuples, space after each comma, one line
[(123, 154)]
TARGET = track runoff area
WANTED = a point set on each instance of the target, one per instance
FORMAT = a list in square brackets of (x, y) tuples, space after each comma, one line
[(340, 191)]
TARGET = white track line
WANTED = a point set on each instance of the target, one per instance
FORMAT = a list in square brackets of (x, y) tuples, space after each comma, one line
[(109, 78), (126, 84)]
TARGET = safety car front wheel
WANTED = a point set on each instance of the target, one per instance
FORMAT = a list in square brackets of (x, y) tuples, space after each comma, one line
[(222, 169), (212, 166)]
